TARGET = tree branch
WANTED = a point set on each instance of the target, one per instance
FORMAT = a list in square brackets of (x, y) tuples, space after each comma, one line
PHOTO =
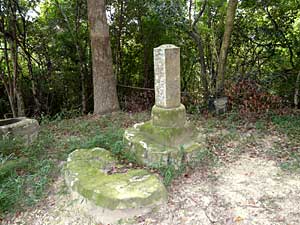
[(199, 14)]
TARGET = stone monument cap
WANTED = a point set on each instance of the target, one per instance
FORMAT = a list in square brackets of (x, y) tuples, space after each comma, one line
[(164, 46)]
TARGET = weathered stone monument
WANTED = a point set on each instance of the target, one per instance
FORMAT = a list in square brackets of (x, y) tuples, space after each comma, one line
[(168, 137), (108, 191)]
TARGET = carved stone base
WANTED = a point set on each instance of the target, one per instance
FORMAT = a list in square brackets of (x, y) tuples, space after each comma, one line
[(152, 145)]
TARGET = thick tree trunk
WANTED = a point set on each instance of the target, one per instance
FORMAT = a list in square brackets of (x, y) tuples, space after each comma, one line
[(231, 10), (104, 80)]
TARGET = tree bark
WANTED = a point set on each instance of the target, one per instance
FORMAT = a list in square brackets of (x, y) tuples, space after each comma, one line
[(104, 80), (296, 95), (230, 14), (8, 83), (119, 51), (14, 57)]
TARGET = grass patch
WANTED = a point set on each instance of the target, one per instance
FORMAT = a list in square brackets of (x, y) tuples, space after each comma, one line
[(22, 184), (289, 125), (26, 172)]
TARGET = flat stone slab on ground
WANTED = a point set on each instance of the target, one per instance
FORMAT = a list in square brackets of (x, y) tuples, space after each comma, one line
[(109, 192)]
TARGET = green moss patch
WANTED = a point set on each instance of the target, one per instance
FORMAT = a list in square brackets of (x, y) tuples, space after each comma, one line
[(86, 173), (175, 117), (155, 145)]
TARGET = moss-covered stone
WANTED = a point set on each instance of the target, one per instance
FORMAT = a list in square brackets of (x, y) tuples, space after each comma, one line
[(154, 145), (86, 173), (168, 117), (166, 135)]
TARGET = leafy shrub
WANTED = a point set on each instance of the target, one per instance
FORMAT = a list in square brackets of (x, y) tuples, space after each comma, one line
[(248, 97), (137, 100)]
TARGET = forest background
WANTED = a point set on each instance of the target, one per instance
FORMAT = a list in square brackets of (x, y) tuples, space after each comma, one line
[(46, 60)]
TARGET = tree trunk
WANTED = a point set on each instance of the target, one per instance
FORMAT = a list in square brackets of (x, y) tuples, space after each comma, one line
[(20, 103), (8, 83), (119, 51), (296, 96), (231, 10), (104, 80), (14, 56), (199, 42), (82, 79)]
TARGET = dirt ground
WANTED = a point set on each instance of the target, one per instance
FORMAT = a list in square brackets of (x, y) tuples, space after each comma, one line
[(247, 188)]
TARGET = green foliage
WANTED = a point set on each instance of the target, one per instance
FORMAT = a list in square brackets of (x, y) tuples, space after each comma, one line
[(265, 48), (248, 97), (288, 152), (289, 125)]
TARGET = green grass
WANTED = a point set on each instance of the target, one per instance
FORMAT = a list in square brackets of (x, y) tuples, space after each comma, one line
[(26, 172), (289, 125)]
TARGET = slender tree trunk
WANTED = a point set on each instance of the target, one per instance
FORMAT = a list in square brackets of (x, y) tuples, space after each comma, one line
[(198, 40), (104, 80), (146, 75), (119, 52), (231, 10), (83, 87), (38, 105), (80, 53), (296, 95), (196, 36), (20, 102), (146, 66), (9, 81), (14, 56)]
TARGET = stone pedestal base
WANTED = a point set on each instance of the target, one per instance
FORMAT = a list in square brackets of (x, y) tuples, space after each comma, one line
[(154, 145), (170, 118)]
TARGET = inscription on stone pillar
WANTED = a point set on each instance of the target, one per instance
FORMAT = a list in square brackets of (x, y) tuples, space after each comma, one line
[(167, 76)]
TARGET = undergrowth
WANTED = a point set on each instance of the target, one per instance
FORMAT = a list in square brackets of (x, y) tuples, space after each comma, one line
[(290, 125), (26, 172)]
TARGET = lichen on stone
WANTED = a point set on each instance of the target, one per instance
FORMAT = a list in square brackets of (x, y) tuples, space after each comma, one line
[(85, 173)]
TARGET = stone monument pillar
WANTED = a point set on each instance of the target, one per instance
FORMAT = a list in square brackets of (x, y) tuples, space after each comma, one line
[(168, 137), (168, 111)]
